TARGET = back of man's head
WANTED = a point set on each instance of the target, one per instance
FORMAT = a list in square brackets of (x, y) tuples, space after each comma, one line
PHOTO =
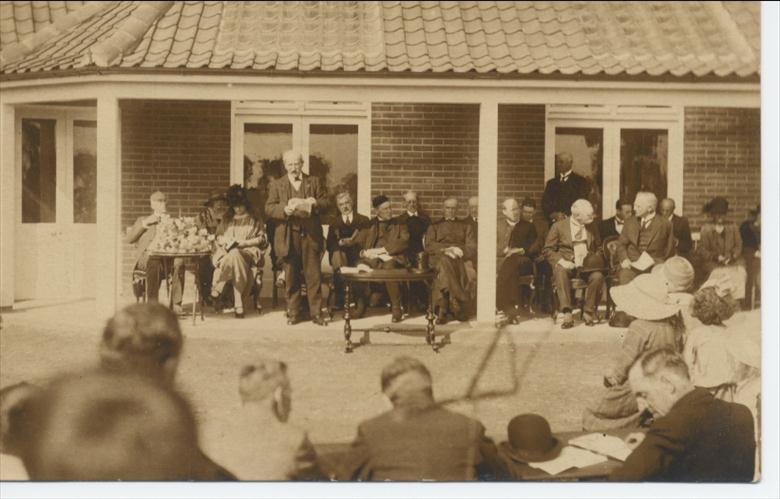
[(15, 401), (103, 426), (144, 339), (406, 378)]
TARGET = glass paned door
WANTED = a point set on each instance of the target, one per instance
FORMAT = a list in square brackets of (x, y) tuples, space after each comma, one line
[(644, 157), (586, 146), (264, 144), (84, 172), (333, 157), (39, 171)]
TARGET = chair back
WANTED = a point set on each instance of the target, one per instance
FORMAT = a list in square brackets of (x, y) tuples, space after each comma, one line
[(609, 247)]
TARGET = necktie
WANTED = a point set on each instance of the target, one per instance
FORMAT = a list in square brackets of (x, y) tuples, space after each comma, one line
[(564, 178), (349, 220)]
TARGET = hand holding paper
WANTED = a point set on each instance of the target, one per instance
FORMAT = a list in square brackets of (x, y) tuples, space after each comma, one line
[(644, 262)]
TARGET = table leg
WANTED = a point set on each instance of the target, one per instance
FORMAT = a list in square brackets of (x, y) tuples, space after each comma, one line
[(197, 294), (347, 325), (169, 279), (431, 336)]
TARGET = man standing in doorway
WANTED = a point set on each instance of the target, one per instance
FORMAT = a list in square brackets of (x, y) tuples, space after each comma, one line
[(295, 202), (564, 189)]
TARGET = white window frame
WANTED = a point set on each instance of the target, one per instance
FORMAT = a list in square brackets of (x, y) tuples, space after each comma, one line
[(612, 119)]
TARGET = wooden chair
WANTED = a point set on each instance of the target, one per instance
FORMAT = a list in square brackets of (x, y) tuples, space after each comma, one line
[(609, 248)]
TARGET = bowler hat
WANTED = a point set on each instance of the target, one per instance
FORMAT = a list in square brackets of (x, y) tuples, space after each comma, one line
[(215, 195), (379, 200), (530, 440), (717, 206), (593, 262)]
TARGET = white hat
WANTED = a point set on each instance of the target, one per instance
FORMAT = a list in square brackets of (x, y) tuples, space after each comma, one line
[(645, 297)]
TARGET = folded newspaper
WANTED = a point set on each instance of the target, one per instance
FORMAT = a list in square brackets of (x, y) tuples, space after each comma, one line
[(301, 206), (644, 262), (361, 267), (603, 444), (570, 457)]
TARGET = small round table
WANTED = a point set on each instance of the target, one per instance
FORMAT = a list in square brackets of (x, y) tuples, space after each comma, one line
[(385, 276), (194, 258)]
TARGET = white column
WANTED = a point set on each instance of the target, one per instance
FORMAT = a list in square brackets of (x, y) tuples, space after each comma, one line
[(7, 204), (109, 164), (488, 188)]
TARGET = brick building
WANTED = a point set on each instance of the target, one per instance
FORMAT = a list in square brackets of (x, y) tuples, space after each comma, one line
[(105, 102)]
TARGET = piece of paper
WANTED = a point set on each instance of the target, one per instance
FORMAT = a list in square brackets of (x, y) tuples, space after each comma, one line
[(604, 444), (361, 267), (644, 262), (384, 257), (570, 457)]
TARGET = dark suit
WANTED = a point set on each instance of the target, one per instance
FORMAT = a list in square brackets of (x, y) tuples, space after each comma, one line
[(560, 246), (298, 241), (394, 237), (559, 196), (451, 275), (656, 239), (607, 228), (523, 235), (341, 256), (141, 237), (429, 443), (682, 235), (751, 242), (701, 439), (415, 292)]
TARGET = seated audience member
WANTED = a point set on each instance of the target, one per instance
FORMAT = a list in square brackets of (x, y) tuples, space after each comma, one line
[(14, 403), (383, 245), (418, 439), (683, 242), (678, 275), (543, 271), (417, 223), (561, 191), (341, 243), (518, 245), (473, 213), (258, 443), (102, 426), (141, 234), (211, 218), (450, 243), (472, 265), (750, 232), (657, 325), (686, 441), (529, 440), (144, 339), (643, 233), (720, 244), (568, 243), (239, 248), (613, 226)]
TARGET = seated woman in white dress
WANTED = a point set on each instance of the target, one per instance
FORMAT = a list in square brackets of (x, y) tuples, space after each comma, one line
[(239, 248)]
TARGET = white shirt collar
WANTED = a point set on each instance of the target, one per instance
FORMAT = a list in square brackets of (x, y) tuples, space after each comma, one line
[(619, 221), (647, 218), (347, 217), (565, 175), (411, 213), (292, 177), (510, 223)]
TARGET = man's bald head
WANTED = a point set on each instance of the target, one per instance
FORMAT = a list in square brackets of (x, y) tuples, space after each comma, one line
[(511, 210), (563, 162), (410, 201), (450, 208), (666, 207)]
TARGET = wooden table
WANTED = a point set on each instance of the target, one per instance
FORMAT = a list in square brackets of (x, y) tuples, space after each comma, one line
[(194, 258), (385, 276)]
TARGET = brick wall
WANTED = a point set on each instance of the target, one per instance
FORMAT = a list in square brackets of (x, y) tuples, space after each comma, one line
[(179, 147), (520, 153), (722, 157), (431, 148)]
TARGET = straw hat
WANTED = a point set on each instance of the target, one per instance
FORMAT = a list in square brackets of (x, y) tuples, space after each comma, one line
[(646, 297), (530, 440), (677, 272)]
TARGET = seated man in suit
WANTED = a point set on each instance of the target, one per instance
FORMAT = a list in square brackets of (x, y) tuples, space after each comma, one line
[(613, 226), (694, 437), (419, 439), (543, 269), (683, 242), (568, 244), (342, 246), (644, 232), (383, 245), (517, 246), (141, 234), (564, 189), (450, 243), (416, 223)]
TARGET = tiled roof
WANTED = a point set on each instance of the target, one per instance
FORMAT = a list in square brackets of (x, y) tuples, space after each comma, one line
[(644, 39)]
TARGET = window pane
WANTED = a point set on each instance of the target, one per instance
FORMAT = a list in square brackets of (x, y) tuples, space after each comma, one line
[(264, 144), (84, 172), (333, 157), (643, 162), (586, 145), (39, 171)]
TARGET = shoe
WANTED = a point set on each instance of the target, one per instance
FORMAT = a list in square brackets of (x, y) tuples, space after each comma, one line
[(239, 313), (177, 310), (590, 321), (291, 321), (319, 321), (441, 318), (397, 315), (568, 321), (360, 308)]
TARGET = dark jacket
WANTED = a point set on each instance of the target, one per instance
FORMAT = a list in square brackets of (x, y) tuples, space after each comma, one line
[(430, 443), (559, 245), (392, 235), (607, 228), (661, 242), (443, 234), (701, 439), (280, 192), (559, 196), (712, 244), (524, 236), (339, 230), (751, 236), (416, 226), (682, 235), (141, 237)]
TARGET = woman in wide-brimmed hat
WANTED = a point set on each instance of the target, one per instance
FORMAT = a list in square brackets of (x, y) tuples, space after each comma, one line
[(238, 249), (658, 324)]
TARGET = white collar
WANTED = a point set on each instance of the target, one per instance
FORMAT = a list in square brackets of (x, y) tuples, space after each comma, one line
[(647, 218), (511, 223), (347, 216), (411, 214), (292, 177), (671, 217), (566, 174)]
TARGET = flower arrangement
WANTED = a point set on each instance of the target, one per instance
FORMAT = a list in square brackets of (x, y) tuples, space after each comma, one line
[(180, 235)]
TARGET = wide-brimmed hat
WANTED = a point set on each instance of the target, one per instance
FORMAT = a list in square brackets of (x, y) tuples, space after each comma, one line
[(530, 440), (677, 272), (717, 206), (593, 262), (646, 297), (236, 196), (215, 195)]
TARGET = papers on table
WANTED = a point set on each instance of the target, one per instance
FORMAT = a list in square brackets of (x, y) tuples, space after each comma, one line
[(361, 267), (380, 253), (644, 262), (570, 457), (603, 444)]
